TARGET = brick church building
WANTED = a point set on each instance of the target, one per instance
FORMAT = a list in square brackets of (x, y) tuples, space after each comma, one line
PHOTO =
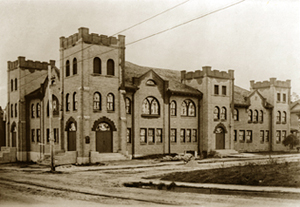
[(104, 107)]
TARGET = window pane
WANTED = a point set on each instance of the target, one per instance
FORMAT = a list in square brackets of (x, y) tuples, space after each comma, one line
[(191, 109), (154, 107), (182, 135), (184, 109), (146, 107), (173, 135)]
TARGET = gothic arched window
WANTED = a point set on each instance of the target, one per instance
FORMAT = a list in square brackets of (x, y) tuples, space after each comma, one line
[(150, 106)]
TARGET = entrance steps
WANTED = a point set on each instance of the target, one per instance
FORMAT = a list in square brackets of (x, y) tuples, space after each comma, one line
[(102, 157), (226, 153), (8, 154)]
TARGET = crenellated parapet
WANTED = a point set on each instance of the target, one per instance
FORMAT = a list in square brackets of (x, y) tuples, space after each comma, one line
[(83, 33), (206, 71), (29, 64), (272, 82)]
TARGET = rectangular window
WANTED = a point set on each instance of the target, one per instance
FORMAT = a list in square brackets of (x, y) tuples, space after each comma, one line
[(188, 135), (284, 97), (173, 135), (194, 135), (151, 137), (267, 136), (278, 96), (261, 136), (182, 135), (159, 135), (216, 90), (242, 136), (224, 90), (278, 136), (56, 136), (128, 135), (143, 136), (32, 135), (235, 135), (283, 135), (48, 135), (38, 135), (249, 136)]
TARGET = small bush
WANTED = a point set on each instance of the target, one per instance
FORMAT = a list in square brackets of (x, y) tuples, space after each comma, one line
[(290, 141)]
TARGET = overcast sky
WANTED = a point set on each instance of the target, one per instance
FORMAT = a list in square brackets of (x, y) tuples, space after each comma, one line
[(259, 39)]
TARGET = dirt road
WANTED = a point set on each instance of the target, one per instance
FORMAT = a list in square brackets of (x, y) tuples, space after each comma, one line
[(33, 185)]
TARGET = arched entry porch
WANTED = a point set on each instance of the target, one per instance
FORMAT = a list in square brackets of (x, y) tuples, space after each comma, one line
[(71, 129), (220, 131)]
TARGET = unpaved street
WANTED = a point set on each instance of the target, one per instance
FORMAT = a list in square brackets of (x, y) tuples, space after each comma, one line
[(34, 185)]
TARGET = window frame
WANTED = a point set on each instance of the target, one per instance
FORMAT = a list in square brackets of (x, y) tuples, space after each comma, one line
[(32, 110), (75, 102), (16, 84), (128, 105), (249, 136), (255, 116), (278, 117), (283, 117), (144, 141), (74, 66), (267, 136), (235, 114), (216, 113), (149, 111), (68, 68), (128, 135), (68, 103), (188, 135), (242, 136), (11, 85), (38, 135), (16, 110), (261, 116), (110, 103), (194, 135), (96, 101), (182, 136), (159, 138), (235, 135), (151, 136), (33, 135), (38, 110), (110, 67), (250, 116), (224, 90), (223, 114), (216, 89), (262, 136), (97, 66), (278, 97), (173, 135), (278, 136), (173, 108)]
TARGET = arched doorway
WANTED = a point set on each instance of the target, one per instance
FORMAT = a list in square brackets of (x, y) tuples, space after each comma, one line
[(13, 135), (104, 141), (220, 138), (72, 137)]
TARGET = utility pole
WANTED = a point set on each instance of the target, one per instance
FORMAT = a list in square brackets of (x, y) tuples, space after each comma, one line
[(50, 121)]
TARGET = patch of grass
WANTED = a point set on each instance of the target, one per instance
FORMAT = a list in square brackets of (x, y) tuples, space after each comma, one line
[(272, 174), (154, 156)]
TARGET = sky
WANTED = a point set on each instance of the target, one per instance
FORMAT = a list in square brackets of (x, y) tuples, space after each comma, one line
[(258, 39)]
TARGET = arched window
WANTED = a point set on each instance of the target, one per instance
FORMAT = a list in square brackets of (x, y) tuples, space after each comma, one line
[(110, 67), (55, 105), (38, 110), (235, 115), (67, 68), (97, 101), (16, 84), (110, 102), (216, 113), (32, 111), (97, 65), (11, 85), (67, 102), (74, 66), (278, 117), (150, 106), (128, 105), (223, 113), (249, 115), (16, 110), (284, 117), (173, 108), (255, 116), (261, 116), (184, 108), (191, 109), (74, 101)]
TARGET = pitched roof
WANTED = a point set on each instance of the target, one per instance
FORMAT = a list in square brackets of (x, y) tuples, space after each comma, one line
[(173, 76), (240, 96)]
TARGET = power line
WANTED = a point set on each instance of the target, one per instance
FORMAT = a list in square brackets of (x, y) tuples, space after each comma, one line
[(151, 18), (207, 14), (202, 16)]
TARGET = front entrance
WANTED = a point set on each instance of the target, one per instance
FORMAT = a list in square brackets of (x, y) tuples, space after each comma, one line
[(220, 138), (72, 137), (104, 138)]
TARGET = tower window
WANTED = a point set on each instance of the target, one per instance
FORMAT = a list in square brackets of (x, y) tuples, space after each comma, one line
[(278, 96), (16, 84), (216, 90), (16, 110), (250, 115), (110, 67), (11, 85), (74, 66), (278, 117), (97, 65), (216, 113), (223, 113), (67, 102), (67, 68), (110, 102), (97, 101), (223, 90), (74, 101)]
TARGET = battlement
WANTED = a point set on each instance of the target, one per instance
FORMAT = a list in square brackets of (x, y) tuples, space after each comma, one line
[(206, 71), (29, 64), (267, 84), (83, 33)]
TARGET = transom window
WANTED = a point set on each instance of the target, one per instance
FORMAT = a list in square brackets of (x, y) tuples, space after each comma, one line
[(103, 127), (97, 101), (188, 108), (150, 106), (110, 102), (173, 108)]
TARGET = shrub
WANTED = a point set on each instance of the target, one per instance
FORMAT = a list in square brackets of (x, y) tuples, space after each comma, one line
[(290, 141)]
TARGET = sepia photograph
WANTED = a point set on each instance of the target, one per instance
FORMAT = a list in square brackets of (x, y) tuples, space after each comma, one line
[(150, 103)]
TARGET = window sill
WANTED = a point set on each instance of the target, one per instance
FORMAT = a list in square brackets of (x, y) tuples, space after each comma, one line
[(249, 122), (96, 110), (249, 141), (158, 142), (143, 143), (150, 115), (241, 141), (110, 111), (187, 116), (173, 142), (283, 122), (216, 119), (278, 122), (151, 143), (96, 74)]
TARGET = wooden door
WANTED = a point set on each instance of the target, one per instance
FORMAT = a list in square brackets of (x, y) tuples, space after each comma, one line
[(103, 138), (72, 141), (220, 138), (14, 139)]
